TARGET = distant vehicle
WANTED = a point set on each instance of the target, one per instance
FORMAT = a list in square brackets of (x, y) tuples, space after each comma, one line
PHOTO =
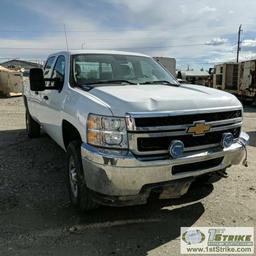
[(129, 128), (194, 77), (181, 81), (25, 73)]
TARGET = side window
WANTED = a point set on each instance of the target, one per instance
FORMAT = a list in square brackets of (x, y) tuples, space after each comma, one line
[(59, 69), (48, 67)]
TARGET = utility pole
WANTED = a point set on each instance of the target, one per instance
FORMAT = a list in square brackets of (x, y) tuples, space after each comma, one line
[(238, 43)]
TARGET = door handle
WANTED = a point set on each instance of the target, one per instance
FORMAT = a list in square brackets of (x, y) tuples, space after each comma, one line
[(46, 98)]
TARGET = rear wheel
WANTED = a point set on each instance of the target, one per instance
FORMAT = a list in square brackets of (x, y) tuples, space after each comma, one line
[(32, 127), (79, 194)]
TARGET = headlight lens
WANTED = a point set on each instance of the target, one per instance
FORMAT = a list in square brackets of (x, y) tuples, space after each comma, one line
[(109, 132)]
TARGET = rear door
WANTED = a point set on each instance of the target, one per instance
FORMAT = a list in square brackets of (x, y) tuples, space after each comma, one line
[(52, 102)]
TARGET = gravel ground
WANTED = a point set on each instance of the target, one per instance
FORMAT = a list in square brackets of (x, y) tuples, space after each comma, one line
[(37, 219)]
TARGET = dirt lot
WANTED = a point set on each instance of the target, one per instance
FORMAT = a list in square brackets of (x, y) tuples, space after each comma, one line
[(37, 219)]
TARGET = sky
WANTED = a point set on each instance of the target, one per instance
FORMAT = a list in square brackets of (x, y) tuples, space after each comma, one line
[(197, 33)]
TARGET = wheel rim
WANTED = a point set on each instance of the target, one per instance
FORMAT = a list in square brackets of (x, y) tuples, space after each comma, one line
[(73, 177)]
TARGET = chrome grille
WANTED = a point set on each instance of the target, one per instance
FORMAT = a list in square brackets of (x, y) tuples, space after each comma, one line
[(163, 143), (154, 135), (186, 119)]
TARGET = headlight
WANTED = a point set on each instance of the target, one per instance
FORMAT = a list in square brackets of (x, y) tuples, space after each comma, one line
[(108, 132)]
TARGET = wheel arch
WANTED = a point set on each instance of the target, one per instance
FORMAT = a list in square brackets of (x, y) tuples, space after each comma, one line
[(25, 102), (70, 133)]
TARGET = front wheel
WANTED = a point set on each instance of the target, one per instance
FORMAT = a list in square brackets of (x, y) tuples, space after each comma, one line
[(79, 194), (32, 127)]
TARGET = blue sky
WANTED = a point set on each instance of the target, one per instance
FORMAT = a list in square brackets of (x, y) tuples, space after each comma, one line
[(197, 33)]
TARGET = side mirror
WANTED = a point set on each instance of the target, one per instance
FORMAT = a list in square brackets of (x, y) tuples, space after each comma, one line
[(58, 83), (36, 79)]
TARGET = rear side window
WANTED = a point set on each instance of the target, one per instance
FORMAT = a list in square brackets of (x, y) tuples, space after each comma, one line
[(59, 69), (48, 67)]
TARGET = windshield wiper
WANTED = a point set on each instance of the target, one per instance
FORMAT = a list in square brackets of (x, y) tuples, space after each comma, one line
[(111, 82), (160, 82), (89, 86)]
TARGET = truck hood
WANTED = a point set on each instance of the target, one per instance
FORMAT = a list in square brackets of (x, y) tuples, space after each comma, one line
[(154, 98)]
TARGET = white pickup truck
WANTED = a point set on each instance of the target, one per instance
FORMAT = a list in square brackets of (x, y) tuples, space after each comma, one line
[(129, 128)]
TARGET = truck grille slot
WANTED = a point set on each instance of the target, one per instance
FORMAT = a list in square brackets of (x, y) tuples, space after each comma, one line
[(186, 119), (163, 143), (151, 134), (192, 167)]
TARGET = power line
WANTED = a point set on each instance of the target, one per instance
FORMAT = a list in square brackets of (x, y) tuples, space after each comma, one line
[(133, 47), (94, 30), (145, 38), (31, 48)]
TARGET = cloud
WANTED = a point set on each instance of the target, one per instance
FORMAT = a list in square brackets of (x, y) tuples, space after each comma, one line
[(207, 9), (184, 29), (135, 6), (248, 49), (249, 43), (247, 55), (216, 41)]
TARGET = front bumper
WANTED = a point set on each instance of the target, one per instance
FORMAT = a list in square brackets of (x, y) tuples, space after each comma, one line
[(122, 177)]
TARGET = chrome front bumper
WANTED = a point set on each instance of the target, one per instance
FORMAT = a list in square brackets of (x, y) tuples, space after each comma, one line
[(114, 174)]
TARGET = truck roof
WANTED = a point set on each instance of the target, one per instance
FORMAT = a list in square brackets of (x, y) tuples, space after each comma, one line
[(72, 52)]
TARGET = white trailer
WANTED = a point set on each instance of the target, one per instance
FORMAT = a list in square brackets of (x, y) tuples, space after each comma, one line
[(168, 63), (237, 78), (225, 77), (247, 80)]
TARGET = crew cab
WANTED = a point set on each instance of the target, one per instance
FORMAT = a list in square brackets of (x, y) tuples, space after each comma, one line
[(129, 128)]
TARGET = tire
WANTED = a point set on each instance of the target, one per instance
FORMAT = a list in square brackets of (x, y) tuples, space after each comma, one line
[(79, 193), (32, 127)]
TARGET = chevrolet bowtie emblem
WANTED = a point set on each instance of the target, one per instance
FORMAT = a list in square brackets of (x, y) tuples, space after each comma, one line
[(198, 128)]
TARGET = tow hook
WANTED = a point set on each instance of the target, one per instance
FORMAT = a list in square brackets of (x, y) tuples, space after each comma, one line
[(245, 162), (222, 174), (244, 142)]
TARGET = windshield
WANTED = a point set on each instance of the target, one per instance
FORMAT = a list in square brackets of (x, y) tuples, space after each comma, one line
[(99, 68)]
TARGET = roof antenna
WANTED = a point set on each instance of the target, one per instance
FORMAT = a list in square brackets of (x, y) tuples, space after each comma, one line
[(65, 32), (82, 45)]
